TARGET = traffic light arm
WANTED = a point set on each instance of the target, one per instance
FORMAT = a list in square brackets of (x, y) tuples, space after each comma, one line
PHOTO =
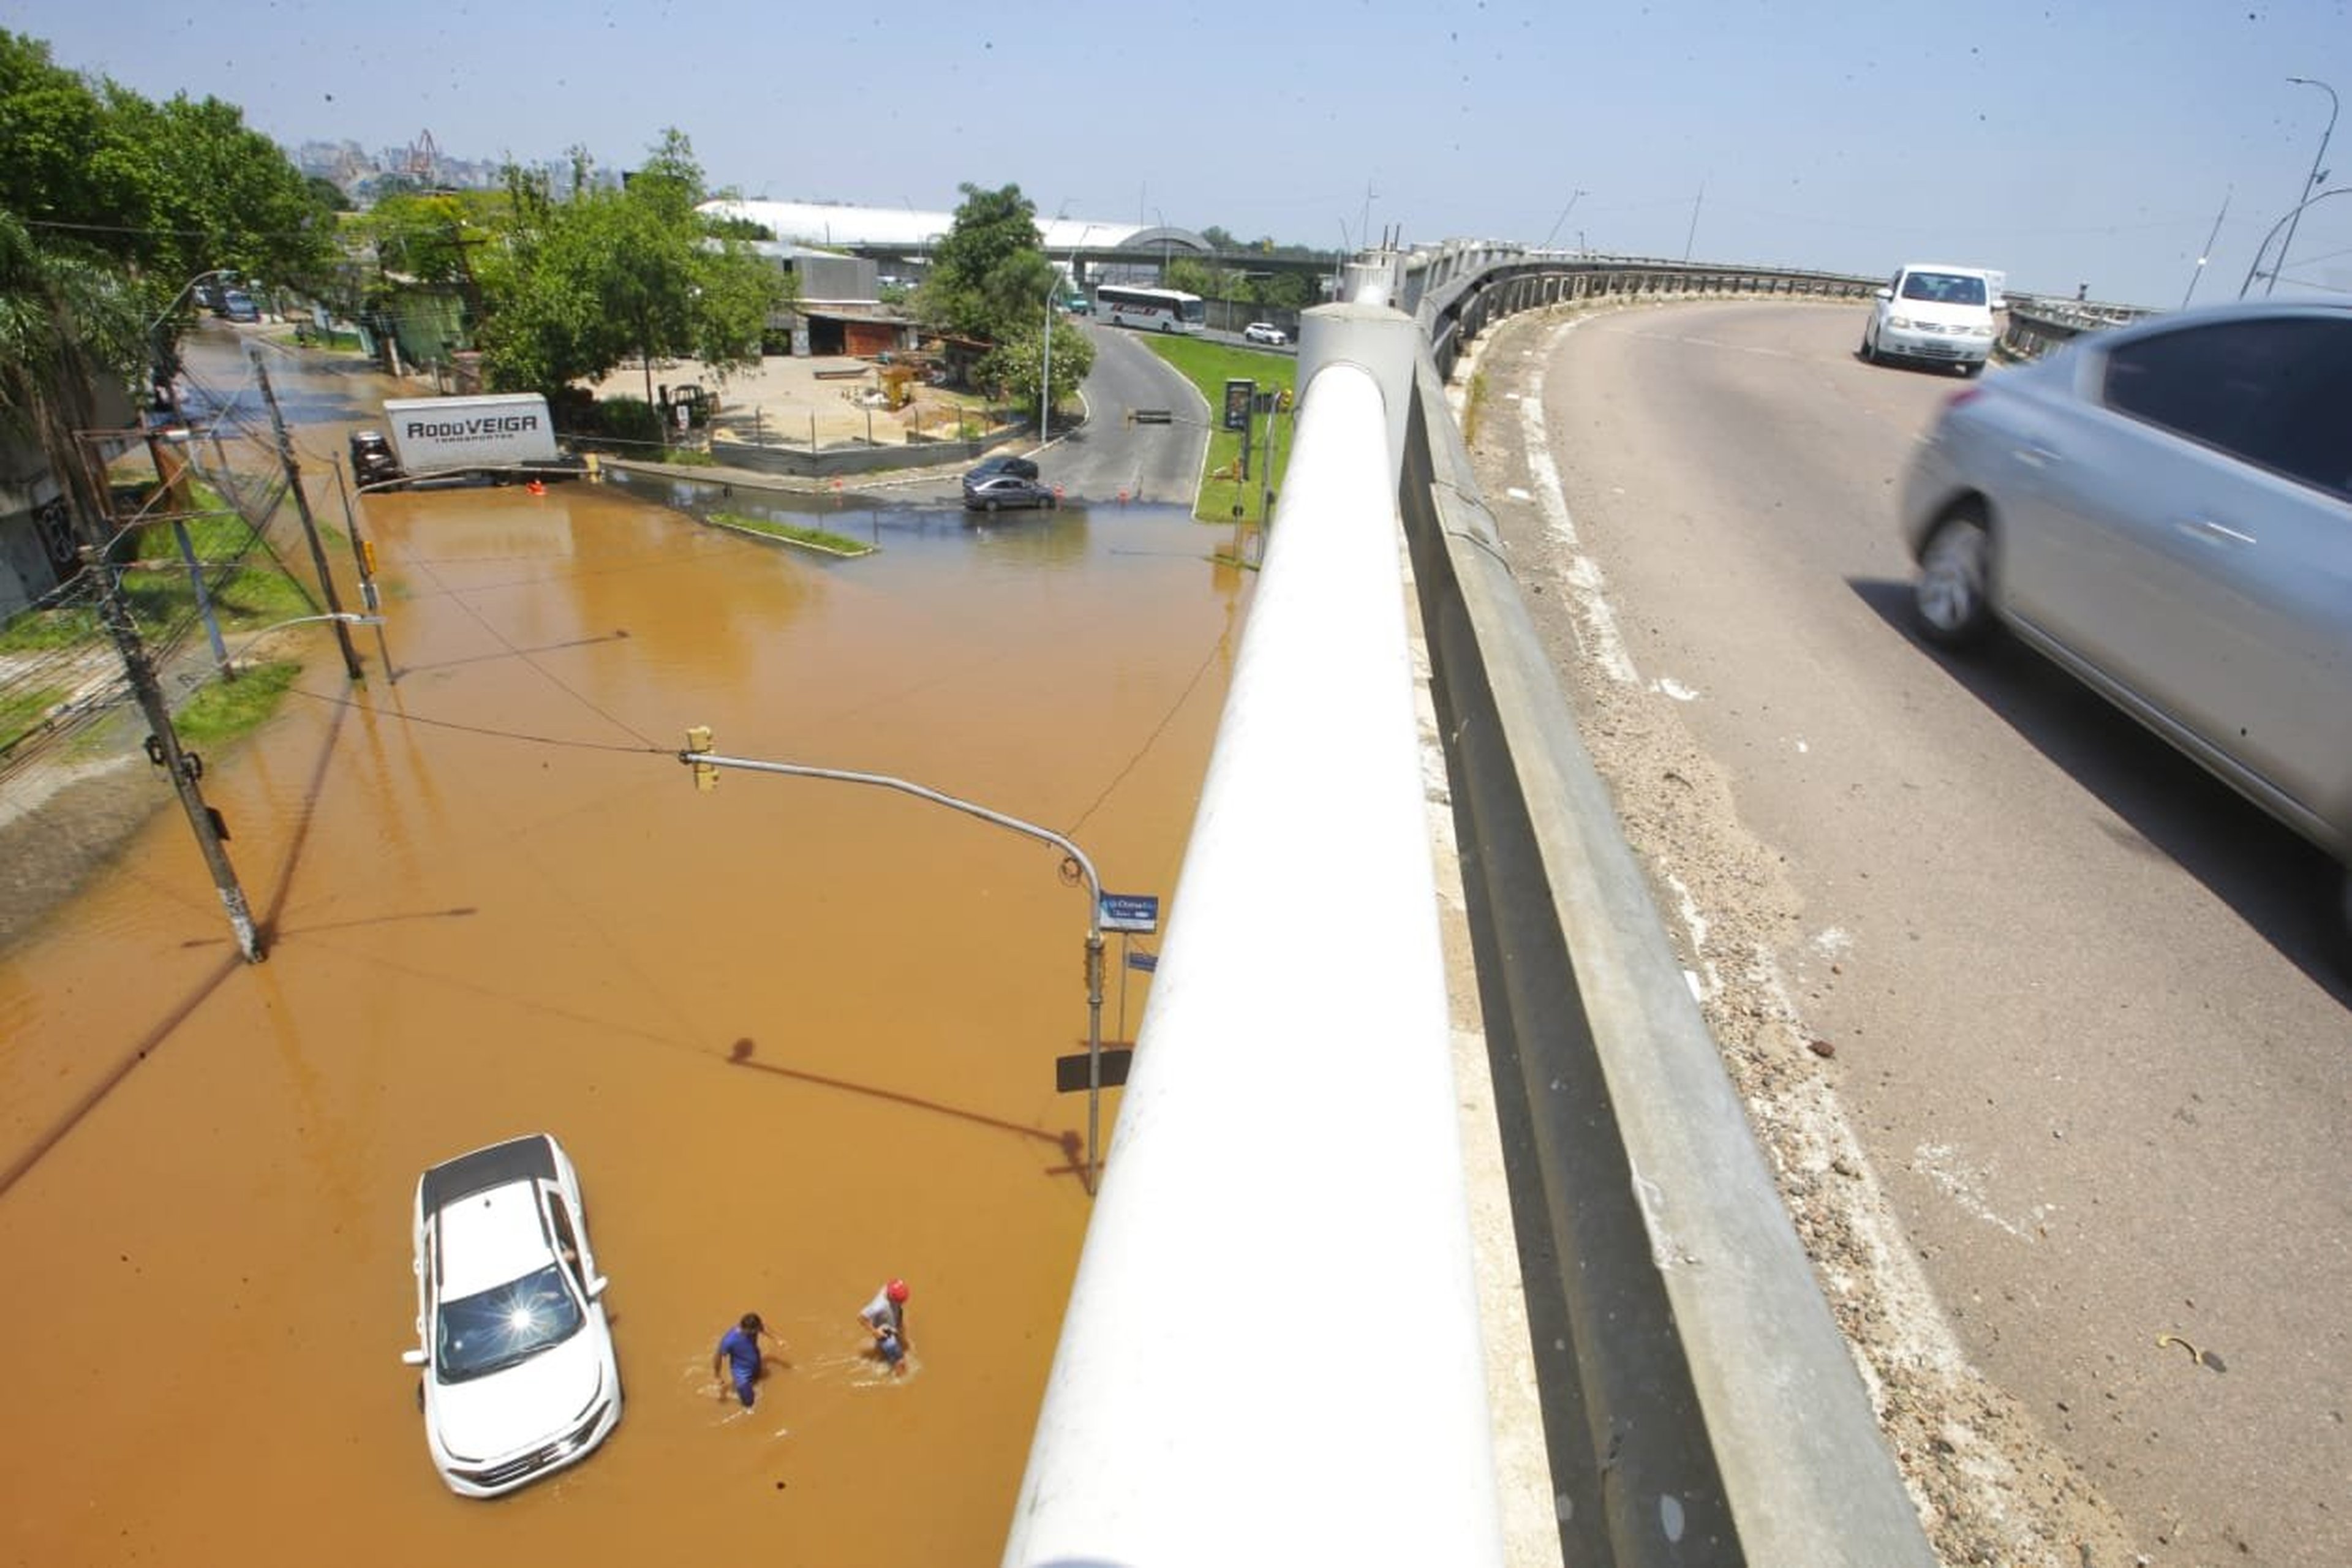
[(698, 756)]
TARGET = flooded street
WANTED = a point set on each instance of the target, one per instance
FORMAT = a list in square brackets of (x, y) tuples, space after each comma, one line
[(798, 1036)]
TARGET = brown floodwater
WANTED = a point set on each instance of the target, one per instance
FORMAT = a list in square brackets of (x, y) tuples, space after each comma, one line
[(798, 1036)]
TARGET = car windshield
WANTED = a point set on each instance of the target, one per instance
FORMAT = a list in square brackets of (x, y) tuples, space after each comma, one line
[(1945, 288), (498, 1328)]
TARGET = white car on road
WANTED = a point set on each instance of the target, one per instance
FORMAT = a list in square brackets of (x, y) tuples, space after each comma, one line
[(1264, 333), (519, 1378), (1934, 315)]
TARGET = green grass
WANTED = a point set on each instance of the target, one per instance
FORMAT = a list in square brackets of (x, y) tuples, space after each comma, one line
[(255, 593), (1208, 366), (36, 631), (793, 534), (21, 710), (222, 710)]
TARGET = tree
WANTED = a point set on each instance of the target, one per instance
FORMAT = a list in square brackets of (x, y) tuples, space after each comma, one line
[(166, 191), (1017, 362), (991, 279), (69, 323), (221, 195), (1292, 291), (71, 175), (427, 236), (1193, 277), (989, 269), (110, 206), (613, 274)]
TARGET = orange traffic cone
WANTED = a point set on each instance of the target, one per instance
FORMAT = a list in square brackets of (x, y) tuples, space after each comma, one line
[(538, 487)]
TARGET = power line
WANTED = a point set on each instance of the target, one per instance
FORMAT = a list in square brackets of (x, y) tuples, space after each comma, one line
[(1152, 739), (557, 742)]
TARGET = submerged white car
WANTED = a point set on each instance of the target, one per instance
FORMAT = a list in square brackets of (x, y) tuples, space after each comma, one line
[(519, 1378)]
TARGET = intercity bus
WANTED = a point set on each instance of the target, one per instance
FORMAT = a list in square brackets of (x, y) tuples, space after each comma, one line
[(1162, 310)]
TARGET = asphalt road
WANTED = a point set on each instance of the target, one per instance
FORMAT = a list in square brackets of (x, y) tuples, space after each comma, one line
[(2077, 994), (1107, 459)]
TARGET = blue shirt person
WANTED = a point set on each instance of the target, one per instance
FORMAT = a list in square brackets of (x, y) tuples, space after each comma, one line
[(740, 1357)]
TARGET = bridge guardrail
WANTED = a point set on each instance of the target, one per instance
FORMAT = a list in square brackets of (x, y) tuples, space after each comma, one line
[(2038, 325), (1704, 1407), (1457, 290), (1707, 1366)]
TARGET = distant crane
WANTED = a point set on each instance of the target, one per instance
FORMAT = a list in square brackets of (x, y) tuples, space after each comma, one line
[(423, 162)]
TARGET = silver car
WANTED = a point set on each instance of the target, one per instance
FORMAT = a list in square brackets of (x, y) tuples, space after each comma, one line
[(2166, 510)]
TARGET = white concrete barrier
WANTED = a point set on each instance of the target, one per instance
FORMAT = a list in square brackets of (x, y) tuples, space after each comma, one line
[(1271, 1353)]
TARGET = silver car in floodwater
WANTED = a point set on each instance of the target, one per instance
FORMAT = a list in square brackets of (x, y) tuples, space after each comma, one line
[(2165, 509)]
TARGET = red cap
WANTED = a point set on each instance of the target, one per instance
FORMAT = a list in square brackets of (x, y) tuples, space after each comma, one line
[(895, 1290)]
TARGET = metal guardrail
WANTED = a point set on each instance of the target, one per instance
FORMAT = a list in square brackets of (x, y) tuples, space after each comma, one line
[(1460, 289), (1709, 1383), (2036, 325), (1457, 291)]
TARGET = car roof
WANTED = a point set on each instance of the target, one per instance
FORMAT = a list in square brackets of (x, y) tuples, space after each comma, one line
[(488, 1238), (525, 1159)]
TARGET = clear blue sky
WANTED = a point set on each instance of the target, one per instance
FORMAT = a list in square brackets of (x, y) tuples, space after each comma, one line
[(2063, 142)]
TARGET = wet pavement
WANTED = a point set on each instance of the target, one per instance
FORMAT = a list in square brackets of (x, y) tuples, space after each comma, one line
[(798, 1036)]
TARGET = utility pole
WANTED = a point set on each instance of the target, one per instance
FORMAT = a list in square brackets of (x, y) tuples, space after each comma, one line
[(2206, 254), (163, 747), (364, 553), (2311, 184), (1045, 370), (1274, 407), (309, 525)]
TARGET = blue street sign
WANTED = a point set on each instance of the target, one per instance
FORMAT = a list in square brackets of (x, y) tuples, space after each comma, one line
[(1131, 913), (1146, 961)]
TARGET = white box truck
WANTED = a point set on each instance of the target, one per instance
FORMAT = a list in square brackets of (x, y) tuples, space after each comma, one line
[(492, 439)]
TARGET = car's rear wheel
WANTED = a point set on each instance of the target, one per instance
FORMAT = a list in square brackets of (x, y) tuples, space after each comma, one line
[(1953, 596)]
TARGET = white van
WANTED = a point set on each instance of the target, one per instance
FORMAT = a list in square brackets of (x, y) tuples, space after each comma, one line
[(1935, 315)]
